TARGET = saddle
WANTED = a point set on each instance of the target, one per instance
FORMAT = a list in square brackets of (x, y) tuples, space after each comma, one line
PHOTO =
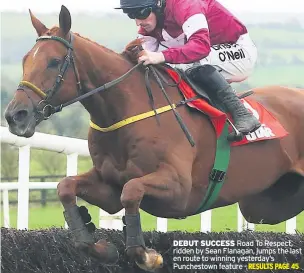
[(197, 89), (202, 92)]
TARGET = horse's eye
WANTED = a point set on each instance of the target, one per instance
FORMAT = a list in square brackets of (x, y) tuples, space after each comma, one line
[(53, 63)]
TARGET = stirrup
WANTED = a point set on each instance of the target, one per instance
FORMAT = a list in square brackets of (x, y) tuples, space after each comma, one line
[(236, 135)]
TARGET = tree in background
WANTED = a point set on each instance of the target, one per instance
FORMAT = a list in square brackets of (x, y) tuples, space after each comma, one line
[(9, 160), (48, 163)]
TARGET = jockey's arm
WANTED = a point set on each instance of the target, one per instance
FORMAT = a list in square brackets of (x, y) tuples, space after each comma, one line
[(196, 48), (190, 15)]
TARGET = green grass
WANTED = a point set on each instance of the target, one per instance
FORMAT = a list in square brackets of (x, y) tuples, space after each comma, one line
[(287, 54), (289, 75), (223, 219), (276, 35)]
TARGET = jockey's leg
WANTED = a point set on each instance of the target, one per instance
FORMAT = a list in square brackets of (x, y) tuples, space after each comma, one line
[(220, 90), (92, 189)]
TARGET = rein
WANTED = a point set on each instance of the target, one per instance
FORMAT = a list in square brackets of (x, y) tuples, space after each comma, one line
[(96, 90), (45, 109), (176, 114)]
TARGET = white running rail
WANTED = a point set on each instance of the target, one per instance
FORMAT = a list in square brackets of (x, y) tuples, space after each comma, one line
[(73, 147)]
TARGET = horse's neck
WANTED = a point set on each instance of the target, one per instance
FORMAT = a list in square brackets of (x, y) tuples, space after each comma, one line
[(97, 66)]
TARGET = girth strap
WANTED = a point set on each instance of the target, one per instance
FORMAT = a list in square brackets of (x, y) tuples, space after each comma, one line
[(219, 170)]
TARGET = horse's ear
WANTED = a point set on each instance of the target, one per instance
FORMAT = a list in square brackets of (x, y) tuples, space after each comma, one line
[(40, 28), (65, 20)]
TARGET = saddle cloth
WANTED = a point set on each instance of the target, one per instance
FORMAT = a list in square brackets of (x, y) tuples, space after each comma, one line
[(270, 129)]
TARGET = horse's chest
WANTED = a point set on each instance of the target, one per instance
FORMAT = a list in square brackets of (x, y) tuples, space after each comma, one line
[(118, 165)]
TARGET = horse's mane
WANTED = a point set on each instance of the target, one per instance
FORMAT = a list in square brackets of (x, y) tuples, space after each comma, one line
[(56, 29), (128, 53), (132, 50), (95, 43)]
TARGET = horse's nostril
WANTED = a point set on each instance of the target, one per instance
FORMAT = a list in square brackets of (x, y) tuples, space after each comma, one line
[(20, 116)]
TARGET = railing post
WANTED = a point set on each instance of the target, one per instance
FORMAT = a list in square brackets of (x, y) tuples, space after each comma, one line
[(72, 164), (43, 194), (242, 224), (23, 189), (291, 225), (72, 169), (206, 221), (6, 216), (111, 221), (161, 224)]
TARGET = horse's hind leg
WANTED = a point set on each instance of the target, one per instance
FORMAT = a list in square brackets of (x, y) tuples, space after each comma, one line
[(90, 188), (166, 193), (280, 202)]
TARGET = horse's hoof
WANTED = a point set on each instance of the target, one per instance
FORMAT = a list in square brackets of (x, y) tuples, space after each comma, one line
[(105, 252), (153, 260)]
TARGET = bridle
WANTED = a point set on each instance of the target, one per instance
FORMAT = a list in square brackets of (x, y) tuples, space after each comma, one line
[(44, 108)]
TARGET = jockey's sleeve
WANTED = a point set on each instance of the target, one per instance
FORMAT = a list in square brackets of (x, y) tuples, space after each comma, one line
[(190, 15), (150, 43)]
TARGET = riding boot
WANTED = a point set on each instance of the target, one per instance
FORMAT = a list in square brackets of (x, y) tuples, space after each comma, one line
[(222, 93)]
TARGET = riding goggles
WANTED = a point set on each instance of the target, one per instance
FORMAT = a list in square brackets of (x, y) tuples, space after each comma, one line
[(141, 14)]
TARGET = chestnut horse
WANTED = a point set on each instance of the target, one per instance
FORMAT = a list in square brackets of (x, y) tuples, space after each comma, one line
[(149, 164)]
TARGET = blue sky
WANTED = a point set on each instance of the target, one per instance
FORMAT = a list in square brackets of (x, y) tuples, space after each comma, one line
[(108, 5)]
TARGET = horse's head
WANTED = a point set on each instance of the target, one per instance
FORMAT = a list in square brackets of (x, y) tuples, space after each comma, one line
[(50, 77)]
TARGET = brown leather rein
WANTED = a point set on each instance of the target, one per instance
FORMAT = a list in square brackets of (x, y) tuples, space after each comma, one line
[(45, 109)]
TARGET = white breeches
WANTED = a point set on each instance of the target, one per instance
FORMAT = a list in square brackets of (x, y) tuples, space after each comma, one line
[(234, 61)]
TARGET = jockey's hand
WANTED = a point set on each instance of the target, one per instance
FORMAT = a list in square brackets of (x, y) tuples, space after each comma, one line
[(149, 57)]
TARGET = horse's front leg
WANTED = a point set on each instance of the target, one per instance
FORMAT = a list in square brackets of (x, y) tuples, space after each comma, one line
[(90, 188), (164, 186)]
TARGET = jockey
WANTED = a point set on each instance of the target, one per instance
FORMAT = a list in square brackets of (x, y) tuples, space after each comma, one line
[(205, 40)]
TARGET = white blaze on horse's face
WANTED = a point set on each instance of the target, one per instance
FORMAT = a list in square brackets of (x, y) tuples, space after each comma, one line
[(148, 24), (36, 51)]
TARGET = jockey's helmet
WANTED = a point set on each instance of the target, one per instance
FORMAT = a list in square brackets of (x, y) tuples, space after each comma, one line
[(135, 4), (141, 9)]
